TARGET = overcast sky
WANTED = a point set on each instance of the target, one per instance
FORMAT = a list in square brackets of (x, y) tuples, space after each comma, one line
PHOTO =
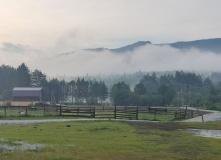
[(32, 31)]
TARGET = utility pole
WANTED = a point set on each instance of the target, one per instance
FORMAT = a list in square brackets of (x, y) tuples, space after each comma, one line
[(52, 98), (187, 94), (178, 99), (181, 97)]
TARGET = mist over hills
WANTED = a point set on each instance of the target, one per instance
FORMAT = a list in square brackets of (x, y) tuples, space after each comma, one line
[(208, 45), (200, 55), (144, 56), (128, 48)]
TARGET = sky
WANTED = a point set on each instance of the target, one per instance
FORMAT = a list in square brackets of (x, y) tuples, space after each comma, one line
[(37, 32)]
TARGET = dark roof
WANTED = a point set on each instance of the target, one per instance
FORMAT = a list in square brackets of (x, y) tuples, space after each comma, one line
[(26, 92)]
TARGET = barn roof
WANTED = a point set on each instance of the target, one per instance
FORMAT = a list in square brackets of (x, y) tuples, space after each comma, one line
[(26, 92)]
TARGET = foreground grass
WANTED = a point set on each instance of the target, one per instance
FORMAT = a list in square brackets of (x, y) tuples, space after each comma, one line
[(82, 140), (163, 140), (112, 141)]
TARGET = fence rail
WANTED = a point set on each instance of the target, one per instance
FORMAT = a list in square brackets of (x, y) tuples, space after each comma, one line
[(77, 111), (26, 110), (108, 112)]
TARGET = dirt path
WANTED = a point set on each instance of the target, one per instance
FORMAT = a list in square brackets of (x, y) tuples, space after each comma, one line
[(23, 122), (17, 122), (213, 116)]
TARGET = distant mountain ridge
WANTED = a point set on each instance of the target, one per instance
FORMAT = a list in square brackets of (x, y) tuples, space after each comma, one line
[(128, 48), (211, 45), (205, 45)]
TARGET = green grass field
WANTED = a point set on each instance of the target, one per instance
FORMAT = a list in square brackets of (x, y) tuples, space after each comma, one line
[(112, 141)]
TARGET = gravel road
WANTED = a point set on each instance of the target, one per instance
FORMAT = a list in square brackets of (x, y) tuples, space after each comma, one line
[(213, 116), (17, 122), (20, 122)]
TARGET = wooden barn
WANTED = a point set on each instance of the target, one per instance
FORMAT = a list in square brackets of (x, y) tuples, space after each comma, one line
[(27, 94)]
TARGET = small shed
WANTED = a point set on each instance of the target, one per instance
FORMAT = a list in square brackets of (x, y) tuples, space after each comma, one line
[(27, 94)]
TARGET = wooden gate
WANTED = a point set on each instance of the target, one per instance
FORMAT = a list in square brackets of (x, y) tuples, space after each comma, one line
[(77, 111), (126, 113)]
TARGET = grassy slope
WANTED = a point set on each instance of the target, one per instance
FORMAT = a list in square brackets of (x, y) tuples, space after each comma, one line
[(112, 140)]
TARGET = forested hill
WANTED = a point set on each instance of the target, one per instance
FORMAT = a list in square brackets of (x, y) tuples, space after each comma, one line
[(210, 45), (138, 89), (128, 48)]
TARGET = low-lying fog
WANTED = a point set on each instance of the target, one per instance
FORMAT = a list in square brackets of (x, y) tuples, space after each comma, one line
[(146, 58)]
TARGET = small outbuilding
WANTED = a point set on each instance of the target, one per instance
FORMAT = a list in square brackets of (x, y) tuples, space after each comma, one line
[(27, 94)]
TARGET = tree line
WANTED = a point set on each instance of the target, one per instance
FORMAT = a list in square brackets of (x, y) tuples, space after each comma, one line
[(57, 91), (178, 89)]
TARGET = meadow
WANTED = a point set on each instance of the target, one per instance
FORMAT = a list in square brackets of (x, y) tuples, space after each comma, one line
[(112, 140)]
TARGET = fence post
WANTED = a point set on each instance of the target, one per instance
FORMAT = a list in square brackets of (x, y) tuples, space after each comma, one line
[(44, 110), (5, 110), (155, 114), (137, 113), (60, 109), (202, 118), (198, 111), (175, 114), (125, 114), (94, 112), (115, 112), (26, 110)]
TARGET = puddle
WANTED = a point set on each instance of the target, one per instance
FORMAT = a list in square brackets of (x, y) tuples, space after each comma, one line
[(205, 133), (17, 146)]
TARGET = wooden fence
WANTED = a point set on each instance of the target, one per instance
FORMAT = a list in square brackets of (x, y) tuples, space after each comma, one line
[(26, 110), (185, 112), (126, 113), (77, 111), (107, 112), (101, 112)]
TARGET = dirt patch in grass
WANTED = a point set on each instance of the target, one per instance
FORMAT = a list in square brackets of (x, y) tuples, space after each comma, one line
[(169, 126)]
